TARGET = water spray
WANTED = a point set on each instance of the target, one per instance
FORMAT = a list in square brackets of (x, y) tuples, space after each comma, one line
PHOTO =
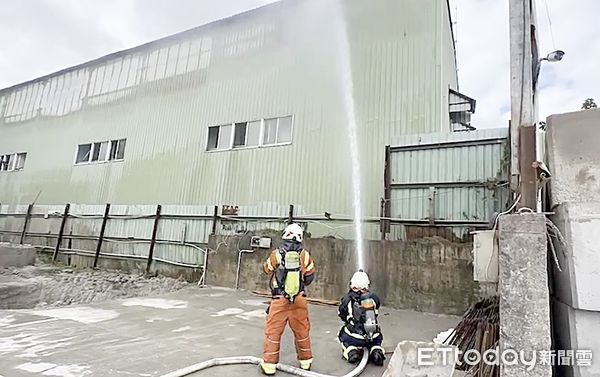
[(347, 87)]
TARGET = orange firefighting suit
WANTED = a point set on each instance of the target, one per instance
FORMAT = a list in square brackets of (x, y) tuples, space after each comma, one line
[(282, 311)]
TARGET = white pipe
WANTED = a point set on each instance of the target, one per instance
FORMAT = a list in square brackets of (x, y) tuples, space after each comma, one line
[(256, 361), (239, 261)]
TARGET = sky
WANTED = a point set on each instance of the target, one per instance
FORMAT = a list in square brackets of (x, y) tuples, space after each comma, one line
[(43, 36)]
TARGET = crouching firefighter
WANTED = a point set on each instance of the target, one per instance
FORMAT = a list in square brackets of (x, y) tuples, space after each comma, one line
[(359, 310), (291, 269)]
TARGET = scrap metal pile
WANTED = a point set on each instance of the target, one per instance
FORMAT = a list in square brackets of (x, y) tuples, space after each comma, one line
[(478, 330)]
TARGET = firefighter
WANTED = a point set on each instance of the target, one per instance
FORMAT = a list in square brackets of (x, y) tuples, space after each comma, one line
[(291, 269), (359, 310)]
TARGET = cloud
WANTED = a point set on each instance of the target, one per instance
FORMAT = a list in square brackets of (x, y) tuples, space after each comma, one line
[(44, 36), (482, 34)]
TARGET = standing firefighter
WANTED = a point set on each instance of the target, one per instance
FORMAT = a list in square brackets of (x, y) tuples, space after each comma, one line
[(291, 269), (359, 310)]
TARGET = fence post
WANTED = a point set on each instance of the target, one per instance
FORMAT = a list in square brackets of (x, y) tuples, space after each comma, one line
[(101, 238), (153, 240), (291, 214), (215, 219), (26, 222), (61, 232), (432, 206), (385, 225)]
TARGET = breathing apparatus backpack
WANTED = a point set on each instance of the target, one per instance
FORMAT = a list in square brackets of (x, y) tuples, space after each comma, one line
[(288, 274), (364, 313)]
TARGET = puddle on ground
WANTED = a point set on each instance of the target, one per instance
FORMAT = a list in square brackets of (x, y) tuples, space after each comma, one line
[(158, 303), (252, 302), (30, 345), (81, 314), (7, 320), (182, 329), (260, 313), (228, 311)]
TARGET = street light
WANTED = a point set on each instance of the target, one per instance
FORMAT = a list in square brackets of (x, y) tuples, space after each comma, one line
[(554, 56)]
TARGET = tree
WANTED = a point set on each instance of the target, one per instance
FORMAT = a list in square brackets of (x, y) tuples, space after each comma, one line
[(589, 104)]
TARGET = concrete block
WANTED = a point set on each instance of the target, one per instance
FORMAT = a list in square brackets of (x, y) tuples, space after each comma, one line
[(485, 253), (577, 330), (405, 360), (574, 156), (577, 283), (12, 255), (523, 287), (17, 293)]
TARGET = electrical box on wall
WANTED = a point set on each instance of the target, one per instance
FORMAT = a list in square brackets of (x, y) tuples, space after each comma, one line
[(260, 242), (485, 256)]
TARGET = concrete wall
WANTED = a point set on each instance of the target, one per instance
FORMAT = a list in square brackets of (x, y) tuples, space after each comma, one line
[(127, 265), (574, 160), (12, 255), (431, 275), (574, 156)]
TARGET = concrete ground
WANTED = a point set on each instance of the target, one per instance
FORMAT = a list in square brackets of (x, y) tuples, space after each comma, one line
[(152, 336)]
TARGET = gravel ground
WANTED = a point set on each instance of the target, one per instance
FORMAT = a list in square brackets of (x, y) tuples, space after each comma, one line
[(48, 286)]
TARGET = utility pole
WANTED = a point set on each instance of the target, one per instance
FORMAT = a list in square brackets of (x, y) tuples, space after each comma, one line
[(523, 64)]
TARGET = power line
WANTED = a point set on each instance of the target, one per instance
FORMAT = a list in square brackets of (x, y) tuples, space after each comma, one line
[(550, 24)]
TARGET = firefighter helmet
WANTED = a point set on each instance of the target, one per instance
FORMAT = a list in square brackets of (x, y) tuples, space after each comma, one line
[(360, 280), (293, 232)]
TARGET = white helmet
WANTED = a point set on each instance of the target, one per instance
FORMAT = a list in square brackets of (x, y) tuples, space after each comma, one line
[(293, 232), (360, 280)]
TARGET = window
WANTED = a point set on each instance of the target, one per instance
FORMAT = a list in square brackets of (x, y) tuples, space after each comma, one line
[(101, 151), (83, 153), (239, 137), (258, 133), (117, 149), (12, 162), (284, 130), (219, 137), (213, 138), (246, 134), (253, 134), (224, 137), (20, 162), (5, 162), (278, 131), (270, 133)]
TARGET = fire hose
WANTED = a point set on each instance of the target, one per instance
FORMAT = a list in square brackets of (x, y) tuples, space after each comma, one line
[(256, 361)]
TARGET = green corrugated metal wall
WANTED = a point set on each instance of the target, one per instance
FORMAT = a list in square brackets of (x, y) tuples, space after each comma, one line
[(403, 63), (468, 171)]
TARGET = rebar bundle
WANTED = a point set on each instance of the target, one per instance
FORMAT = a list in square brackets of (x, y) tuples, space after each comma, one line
[(479, 330)]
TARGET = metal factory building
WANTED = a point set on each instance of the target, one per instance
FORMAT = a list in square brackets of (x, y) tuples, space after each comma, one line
[(248, 113)]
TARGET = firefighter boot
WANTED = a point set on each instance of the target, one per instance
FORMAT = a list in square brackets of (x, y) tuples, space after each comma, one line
[(377, 357), (268, 369), (354, 356), (305, 364)]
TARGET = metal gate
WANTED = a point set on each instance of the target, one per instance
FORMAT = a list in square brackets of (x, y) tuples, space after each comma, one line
[(455, 180)]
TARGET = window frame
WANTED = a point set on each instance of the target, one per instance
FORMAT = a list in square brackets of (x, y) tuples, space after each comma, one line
[(261, 143), (93, 149), (13, 160), (17, 155), (110, 149)]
